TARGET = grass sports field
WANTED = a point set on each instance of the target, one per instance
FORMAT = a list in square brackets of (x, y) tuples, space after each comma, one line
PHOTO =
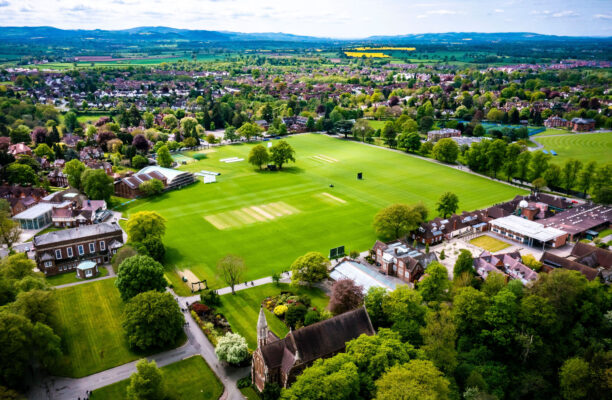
[(190, 378), (90, 318), (242, 309), (271, 218), (584, 147), (489, 243)]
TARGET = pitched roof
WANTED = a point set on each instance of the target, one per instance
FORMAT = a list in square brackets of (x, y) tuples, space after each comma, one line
[(75, 233), (559, 262)]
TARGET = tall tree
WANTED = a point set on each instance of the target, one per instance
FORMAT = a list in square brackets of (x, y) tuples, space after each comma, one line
[(397, 220), (232, 269), (439, 336), (523, 161), (362, 129), (139, 274), (10, 230), (510, 164), (147, 383), (585, 177), (144, 224), (448, 204), (446, 150), (281, 153), (163, 157), (232, 348), (552, 176), (310, 268), (259, 156), (415, 380), (569, 173), (435, 284), (539, 164), (602, 184), (496, 156), (73, 170), (346, 295), (464, 263), (97, 184)]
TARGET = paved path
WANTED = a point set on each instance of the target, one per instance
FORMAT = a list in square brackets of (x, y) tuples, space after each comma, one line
[(111, 274)]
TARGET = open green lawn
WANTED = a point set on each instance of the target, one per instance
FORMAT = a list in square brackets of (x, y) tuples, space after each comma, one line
[(377, 124), (89, 318), (552, 131), (242, 309), (250, 393), (584, 147), (489, 243), (271, 218), (190, 378), (71, 277)]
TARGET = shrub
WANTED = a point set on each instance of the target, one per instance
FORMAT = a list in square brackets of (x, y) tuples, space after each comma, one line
[(295, 315), (232, 348), (200, 308), (199, 156), (354, 254), (244, 382), (280, 310), (311, 317), (442, 255), (210, 298)]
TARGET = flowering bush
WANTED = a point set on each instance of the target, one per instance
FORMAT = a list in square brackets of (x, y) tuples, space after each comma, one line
[(280, 310)]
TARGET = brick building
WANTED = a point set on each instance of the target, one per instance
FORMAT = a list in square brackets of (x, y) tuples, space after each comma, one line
[(400, 260), (62, 251)]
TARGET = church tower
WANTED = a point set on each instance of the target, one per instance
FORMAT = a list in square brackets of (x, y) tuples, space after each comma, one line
[(262, 328)]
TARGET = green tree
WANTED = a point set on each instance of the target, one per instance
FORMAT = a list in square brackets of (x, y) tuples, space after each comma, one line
[(397, 220), (574, 376), (230, 133), (464, 263), (170, 121), (151, 187), (139, 274), (73, 170), (148, 119), (97, 184), (585, 177), (152, 320), (404, 310), (139, 161), (36, 305), (147, 383), (20, 134), (435, 284), (469, 306), (189, 125), (309, 268), (232, 348), (446, 150), (439, 336), (144, 224), (373, 301), (43, 150), (602, 184), (539, 164), (510, 164), (362, 129), (122, 254), (281, 153), (448, 204), (496, 156), (232, 269), (415, 380), (21, 174), (410, 141), (552, 176), (426, 148), (569, 173), (10, 230), (333, 378), (249, 130), (70, 120), (523, 161), (259, 156), (163, 157)]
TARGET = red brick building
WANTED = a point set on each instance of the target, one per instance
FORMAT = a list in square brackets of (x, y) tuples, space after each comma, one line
[(62, 251), (400, 260), (582, 124)]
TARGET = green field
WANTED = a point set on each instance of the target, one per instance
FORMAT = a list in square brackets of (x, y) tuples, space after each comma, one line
[(190, 378), (489, 243), (242, 309), (552, 132), (271, 218), (70, 277), (89, 317), (584, 147)]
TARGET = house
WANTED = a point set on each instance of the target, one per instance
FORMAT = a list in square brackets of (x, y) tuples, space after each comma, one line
[(528, 232), (87, 269), (281, 360), (438, 229), (434, 136), (62, 251), (509, 264), (20, 198), (401, 260), (582, 124), (129, 187), (19, 149), (556, 122), (591, 261), (57, 178), (38, 216)]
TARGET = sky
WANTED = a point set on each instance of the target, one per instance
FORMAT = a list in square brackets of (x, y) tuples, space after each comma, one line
[(323, 18)]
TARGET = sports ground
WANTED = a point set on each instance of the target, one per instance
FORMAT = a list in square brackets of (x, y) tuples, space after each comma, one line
[(271, 218), (584, 147)]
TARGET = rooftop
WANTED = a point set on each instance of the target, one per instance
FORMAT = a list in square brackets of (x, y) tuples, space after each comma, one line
[(362, 275), (35, 211), (527, 228), (75, 233), (86, 265)]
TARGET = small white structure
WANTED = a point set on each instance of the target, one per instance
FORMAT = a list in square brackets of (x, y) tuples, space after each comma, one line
[(361, 275)]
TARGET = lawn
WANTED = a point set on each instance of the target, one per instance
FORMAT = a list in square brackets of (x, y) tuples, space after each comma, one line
[(584, 147), (552, 132), (271, 218), (489, 243), (89, 318), (190, 378), (242, 309), (377, 124), (71, 277), (250, 393)]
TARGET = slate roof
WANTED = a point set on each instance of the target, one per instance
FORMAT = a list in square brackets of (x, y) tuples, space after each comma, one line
[(317, 340), (75, 233), (592, 256), (560, 262)]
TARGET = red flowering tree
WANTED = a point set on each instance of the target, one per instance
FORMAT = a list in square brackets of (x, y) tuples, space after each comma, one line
[(346, 295)]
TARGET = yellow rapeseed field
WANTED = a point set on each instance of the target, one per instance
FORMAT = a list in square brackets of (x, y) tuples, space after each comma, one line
[(368, 55), (386, 48)]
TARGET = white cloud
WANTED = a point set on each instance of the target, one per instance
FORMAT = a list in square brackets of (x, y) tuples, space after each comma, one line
[(603, 16), (498, 10), (440, 12), (539, 12), (567, 13)]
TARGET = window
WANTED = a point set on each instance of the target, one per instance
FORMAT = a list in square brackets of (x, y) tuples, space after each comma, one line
[(48, 264), (81, 250), (88, 273), (102, 245), (92, 247), (69, 251), (58, 254)]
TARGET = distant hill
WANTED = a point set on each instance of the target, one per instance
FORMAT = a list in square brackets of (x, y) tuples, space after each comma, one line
[(161, 33)]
